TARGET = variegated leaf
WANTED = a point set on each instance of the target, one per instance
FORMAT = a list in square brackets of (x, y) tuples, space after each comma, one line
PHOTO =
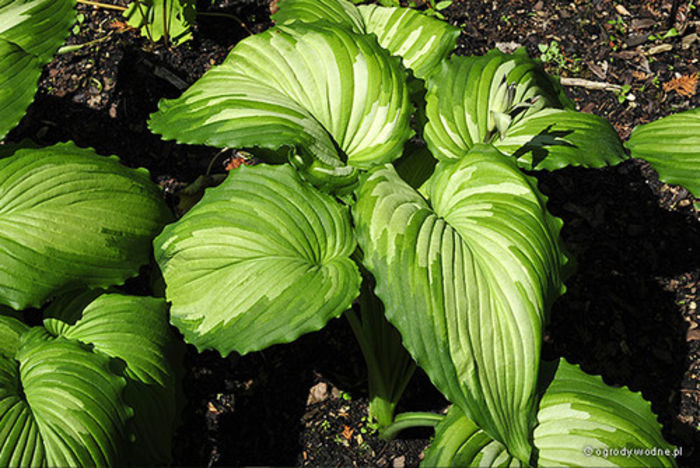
[(510, 102), (467, 276), (333, 96)]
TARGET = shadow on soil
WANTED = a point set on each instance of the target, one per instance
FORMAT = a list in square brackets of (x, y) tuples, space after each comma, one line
[(616, 318)]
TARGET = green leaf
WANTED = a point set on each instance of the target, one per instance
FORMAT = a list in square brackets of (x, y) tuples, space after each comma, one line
[(172, 19), (553, 139), (509, 101), (262, 259), (443, 4), (309, 11), (459, 442), (331, 94), (60, 405), (480, 254), (672, 146), (420, 41), (582, 422), (69, 219), (136, 331), (31, 31), (11, 330)]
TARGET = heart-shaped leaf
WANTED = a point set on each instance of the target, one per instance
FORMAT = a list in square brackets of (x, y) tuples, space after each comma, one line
[(467, 276), (60, 405), (262, 259), (70, 218), (336, 97), (136, 331)]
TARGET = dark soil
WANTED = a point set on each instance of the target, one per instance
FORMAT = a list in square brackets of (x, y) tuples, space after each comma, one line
[(630, 312)]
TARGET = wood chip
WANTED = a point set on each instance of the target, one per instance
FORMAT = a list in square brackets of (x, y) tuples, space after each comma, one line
[(508, 47), (622, 10), (597, 71), (659, 49), (688, 40), (693, 335), (643, 23), (318, 392)]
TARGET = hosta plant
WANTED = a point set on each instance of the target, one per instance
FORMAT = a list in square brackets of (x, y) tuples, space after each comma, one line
[(461, 256), (331, 123), (95, 383)]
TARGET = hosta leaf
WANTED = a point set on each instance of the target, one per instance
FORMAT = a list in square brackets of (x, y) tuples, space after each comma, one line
[(553, 139), (30, 33), (582, 422), (308, 11), (329, 93), (672, 146), (11, 330), (136, 331), (156, 19), (70, 218), (509, 101), (60, 405), (459, 442), (421, 42), (262, 259), (467, 277), (579, 411)]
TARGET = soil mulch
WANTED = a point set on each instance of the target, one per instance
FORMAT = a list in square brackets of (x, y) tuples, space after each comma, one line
[(630, 312)]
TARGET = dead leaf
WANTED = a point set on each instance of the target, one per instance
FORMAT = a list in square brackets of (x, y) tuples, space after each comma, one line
[(639, 75), (212, 408), (120, 26), (236, 162), (684, 85), (347, 432)]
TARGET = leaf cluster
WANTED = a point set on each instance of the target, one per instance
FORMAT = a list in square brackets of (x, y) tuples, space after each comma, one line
[(392, 192)]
